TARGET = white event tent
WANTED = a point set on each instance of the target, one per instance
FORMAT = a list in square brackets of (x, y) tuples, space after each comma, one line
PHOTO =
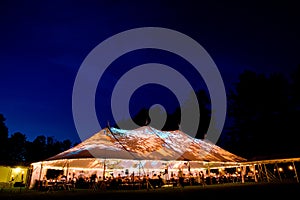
[(141, 151)]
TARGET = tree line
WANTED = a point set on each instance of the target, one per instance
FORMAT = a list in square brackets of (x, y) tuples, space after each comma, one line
[(263, 115), (17, 150)]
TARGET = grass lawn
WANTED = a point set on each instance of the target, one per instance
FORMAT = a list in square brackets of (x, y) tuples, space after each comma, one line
[(233, 191)]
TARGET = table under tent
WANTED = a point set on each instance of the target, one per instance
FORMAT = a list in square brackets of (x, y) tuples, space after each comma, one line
[(144, 151)]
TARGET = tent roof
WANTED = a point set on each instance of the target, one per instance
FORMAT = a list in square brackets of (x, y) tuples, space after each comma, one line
[(147, 143)]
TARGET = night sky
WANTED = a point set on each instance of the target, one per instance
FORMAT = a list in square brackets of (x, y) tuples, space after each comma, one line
[(43, 44)]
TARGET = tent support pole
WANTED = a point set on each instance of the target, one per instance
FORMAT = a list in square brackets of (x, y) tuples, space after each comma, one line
[(278, 172), (260, 172), (67, 173), (208, 173), (139, 168), (40, 175), (243, 173), (295, 172), (208, 169), (254, 172), (103, 178), (268, 179)]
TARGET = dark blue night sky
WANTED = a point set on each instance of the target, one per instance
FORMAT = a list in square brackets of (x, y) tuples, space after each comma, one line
[(43, 44)]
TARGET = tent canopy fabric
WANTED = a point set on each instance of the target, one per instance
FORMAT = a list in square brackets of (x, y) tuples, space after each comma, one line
[(147, 143), (142, 151)]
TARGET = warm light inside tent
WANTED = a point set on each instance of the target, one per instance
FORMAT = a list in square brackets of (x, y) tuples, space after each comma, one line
[(17, 170)]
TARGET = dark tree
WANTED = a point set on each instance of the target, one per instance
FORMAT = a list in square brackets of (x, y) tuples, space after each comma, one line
[(17, 149), (204, 104), (54, 147), (44, 147), (173, 120), (294, 113), (66, 144), (36, 150), (142, 117), (295, 96), (205, 113), (3, 140), (258, 110)]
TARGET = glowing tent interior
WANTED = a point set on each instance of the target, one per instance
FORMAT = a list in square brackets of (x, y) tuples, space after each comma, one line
[(141, 151)]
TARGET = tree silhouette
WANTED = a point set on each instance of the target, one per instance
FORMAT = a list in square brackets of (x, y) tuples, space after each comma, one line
[(258, 109), (3, 141), (36, 150), (54, 147), (293, 128), (17, 149), (173, 119), (44, 147)]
